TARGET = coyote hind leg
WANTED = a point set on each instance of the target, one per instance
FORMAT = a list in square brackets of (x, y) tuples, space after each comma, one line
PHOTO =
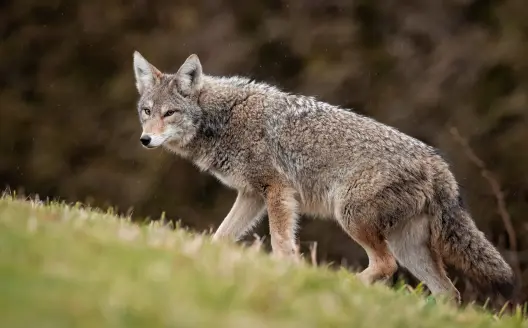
[(411, 245), (382, 264)]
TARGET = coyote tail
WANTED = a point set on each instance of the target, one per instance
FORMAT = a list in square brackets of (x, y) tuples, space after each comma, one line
[(465, 247)]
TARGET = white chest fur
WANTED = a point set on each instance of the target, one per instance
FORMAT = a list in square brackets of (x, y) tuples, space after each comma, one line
[(232, 181)]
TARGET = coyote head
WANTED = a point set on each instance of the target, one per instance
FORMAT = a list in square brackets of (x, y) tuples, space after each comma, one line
[(168, 103)]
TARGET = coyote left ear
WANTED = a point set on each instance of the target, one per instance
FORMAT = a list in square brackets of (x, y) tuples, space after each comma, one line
[(189, 76)]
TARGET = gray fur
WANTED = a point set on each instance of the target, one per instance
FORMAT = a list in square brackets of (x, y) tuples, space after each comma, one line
[(292, 154)]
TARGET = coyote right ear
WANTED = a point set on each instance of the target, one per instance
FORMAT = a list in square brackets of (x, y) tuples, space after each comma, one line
[(189, 76), (146, 74)]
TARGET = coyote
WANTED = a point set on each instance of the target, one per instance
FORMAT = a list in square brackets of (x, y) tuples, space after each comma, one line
[(288, 155)]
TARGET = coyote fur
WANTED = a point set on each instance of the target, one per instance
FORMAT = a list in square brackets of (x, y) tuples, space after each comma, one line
[(288, 155)]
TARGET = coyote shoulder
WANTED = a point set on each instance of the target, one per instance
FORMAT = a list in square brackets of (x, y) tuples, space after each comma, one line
[(288, 155)]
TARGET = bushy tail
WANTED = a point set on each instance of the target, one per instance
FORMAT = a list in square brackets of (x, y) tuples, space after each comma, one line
[(466, 248)]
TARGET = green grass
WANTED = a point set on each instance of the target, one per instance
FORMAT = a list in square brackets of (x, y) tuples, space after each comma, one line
[(71, 267)]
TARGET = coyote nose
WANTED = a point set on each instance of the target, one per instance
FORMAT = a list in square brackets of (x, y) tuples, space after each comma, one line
[(145, 140)]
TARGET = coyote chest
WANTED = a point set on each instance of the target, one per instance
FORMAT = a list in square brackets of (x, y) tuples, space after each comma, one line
[(231, 180)]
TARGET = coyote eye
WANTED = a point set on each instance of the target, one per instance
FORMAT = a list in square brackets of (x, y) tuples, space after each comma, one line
[(169, 113), (147, 111)]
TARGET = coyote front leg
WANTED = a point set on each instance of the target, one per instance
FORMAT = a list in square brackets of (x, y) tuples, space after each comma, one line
[(246, 211), (282, 213)]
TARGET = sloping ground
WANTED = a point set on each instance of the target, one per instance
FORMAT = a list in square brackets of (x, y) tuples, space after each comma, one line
[(71, 267)]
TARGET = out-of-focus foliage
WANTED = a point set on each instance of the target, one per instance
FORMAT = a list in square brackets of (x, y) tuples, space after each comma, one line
[(68, 126)]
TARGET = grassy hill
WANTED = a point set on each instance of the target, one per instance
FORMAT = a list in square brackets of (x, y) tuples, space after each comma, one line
[(66, 266)]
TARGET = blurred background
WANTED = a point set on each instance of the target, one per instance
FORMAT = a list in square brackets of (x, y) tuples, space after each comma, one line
[(452, 73)]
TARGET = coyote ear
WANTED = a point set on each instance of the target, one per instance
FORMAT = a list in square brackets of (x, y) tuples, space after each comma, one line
[(146, 74), (189, 76)]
